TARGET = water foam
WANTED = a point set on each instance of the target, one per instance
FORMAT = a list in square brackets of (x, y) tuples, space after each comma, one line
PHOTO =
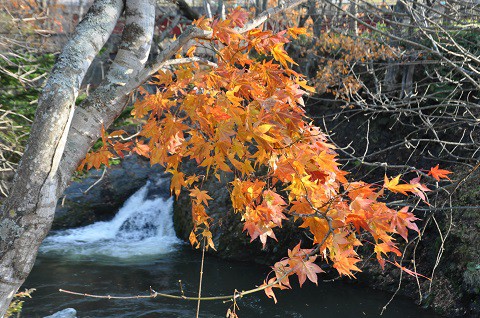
[(142, 227)]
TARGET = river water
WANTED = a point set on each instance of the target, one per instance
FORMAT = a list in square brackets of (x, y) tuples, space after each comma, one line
[(138, 249)]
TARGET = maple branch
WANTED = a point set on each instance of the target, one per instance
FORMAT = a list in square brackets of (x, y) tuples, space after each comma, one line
[(125, 138), (320, 214), (194, 32), (96, 182), (154, 294), (237, 294), (434, 209), (201, 278), (402, 269), (264, 16), (189, 34), (188, 60)]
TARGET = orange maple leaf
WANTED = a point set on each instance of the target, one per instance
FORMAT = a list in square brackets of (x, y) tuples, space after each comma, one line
[(259, 230), (203, 23), (345, 261), (177, 181), (438, 173), (410, 272), (318, 227), (299, 262), (269, 290), (238, 17), (421, 189), (385, 248), (96, 159), (403, 220), (142, 149)]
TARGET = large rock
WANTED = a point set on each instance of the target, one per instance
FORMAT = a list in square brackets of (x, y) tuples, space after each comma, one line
[(83, 204), (227, 229), (66, 313)]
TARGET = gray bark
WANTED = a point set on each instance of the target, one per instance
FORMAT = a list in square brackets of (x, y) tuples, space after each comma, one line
[(221, 10), (41, 177), (207, 8), (108, 100), (407, 82)]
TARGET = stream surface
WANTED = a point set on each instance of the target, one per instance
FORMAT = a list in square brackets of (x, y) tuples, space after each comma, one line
[(138, 249), (162, 272)]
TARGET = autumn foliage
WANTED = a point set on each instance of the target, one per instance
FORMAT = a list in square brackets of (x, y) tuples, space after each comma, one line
[(245, 116), (338, 55)]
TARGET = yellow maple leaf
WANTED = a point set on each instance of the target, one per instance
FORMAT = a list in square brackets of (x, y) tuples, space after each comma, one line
[(200, 196), (177, 181), (281, 55), (394, 186), (295, 32)]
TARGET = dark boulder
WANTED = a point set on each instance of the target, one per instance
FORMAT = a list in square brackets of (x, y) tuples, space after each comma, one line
[(227, 229)]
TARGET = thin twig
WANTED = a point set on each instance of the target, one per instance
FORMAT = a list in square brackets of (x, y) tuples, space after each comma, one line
[(201, 278), (96, 182)]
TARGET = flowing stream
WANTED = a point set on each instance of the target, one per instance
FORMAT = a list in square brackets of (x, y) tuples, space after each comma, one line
[(143, 227), (138, 249)]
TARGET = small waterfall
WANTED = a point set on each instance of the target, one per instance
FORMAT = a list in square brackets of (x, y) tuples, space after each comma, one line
[(142, 227)]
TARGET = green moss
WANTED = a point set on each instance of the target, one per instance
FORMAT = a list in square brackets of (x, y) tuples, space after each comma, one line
[(80, 98), (114, 162), (16, 96)]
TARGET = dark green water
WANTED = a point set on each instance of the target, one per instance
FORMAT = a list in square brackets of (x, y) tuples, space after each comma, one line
[(162, 272)]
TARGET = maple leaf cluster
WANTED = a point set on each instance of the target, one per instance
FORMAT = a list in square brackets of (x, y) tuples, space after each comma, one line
[(246, 117)]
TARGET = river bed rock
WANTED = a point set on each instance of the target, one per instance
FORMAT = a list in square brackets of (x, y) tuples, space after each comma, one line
[(227, 229), (65, 313)]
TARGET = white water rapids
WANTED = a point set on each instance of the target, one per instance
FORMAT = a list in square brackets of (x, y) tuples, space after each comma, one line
[(142, 227)]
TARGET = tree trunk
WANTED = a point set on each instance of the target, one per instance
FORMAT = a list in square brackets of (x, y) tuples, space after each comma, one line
[(187, 10), (392, 72), (108, 101), (353, 24), (28, 212), (221, 14)]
